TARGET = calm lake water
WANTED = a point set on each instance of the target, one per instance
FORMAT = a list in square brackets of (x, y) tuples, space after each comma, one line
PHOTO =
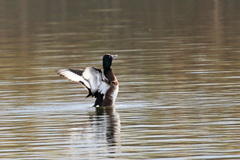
[(179, 70)]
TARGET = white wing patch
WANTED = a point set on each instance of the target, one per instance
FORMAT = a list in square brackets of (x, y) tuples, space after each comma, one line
[(103, 88), (73, 76), (92, 78)]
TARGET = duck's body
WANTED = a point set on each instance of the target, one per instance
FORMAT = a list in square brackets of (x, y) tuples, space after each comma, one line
[(103, 85)]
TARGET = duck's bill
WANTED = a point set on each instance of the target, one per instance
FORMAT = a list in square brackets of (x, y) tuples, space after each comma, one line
[(114, 56)]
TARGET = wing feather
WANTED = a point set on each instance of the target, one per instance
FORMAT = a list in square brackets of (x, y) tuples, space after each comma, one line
[(94, 77), (73, 76), (91, 78)]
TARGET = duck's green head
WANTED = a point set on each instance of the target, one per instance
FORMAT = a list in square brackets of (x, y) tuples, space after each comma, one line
[(107, 60)]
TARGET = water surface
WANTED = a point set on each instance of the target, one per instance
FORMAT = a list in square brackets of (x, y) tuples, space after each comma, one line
[(178, 67)]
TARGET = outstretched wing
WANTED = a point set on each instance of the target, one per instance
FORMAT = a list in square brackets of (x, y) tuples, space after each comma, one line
[(91, 78)]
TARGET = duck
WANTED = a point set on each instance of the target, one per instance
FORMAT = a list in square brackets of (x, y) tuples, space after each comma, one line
[(101, 84)]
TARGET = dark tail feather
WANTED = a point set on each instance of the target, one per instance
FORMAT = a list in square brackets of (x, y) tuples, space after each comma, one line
[(99, 99), (89, 93)]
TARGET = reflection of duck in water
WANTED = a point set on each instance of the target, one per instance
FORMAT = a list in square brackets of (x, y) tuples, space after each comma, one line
[(109, 120), (103, 85), (100, 132)]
